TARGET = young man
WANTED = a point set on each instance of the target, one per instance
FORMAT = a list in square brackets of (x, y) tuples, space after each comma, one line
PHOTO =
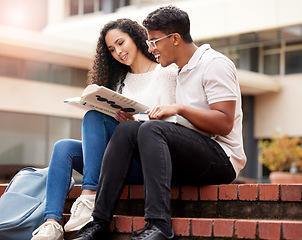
[(208, 95)]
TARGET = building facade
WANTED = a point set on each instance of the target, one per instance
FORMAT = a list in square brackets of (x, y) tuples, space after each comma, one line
[(38, 70)]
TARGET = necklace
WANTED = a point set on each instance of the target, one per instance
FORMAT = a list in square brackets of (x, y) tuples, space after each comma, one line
[(149, 67), (138, 72)]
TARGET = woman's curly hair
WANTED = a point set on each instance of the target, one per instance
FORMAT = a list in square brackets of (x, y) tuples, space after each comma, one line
[(107, 71)]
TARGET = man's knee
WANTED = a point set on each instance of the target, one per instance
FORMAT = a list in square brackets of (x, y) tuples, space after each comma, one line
[(149, 128), (127, 129)]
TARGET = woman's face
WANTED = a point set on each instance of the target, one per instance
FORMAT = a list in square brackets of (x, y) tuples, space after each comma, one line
[(121, 46)]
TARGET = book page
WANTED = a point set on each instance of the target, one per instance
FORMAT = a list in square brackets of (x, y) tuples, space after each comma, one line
[(112, 101), (107, 101)]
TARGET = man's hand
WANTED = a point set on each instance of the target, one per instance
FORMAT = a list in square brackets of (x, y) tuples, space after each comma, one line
[(162, 111)]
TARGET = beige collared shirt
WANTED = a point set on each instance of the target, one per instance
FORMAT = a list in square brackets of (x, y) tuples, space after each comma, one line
[(210, 77)]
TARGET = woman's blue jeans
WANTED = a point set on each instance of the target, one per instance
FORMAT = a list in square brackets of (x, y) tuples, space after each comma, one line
[(83, 156)]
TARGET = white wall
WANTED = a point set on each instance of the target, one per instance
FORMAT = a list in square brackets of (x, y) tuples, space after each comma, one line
[(19, 95), (280, 112)]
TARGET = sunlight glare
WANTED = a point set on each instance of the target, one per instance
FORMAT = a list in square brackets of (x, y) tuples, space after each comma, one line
[(18, 16)]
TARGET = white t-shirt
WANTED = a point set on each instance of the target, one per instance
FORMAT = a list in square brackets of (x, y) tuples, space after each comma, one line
[(153, 88), (210, 77)]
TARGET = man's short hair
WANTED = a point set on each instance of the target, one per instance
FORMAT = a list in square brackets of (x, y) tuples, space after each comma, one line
[(168, 20)]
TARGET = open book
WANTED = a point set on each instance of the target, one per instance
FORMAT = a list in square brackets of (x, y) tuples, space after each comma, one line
[(143, 116), (105, 100)]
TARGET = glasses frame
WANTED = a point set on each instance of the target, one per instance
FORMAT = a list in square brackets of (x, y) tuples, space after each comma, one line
[(152, 43)]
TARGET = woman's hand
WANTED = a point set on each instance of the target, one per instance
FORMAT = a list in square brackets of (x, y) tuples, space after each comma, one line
[(123, 116)]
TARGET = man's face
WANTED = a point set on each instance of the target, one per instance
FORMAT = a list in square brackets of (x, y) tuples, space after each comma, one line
[(164, 47)]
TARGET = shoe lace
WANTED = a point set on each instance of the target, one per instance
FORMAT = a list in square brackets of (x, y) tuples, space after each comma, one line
[(143, 232), (46, 228), (79, 204)]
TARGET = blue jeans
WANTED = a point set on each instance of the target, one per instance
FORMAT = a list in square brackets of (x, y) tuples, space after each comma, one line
[(83, 156), (168, 153)]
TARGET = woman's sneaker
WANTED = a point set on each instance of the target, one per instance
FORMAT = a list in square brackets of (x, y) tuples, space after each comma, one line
[(81, 211), (50, 230)]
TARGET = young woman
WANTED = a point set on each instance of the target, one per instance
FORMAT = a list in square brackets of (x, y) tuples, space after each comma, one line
[(122, 63)]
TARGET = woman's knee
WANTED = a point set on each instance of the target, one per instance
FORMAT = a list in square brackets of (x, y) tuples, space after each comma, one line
[(67, 147), (94, 120), (64, 144), (92, 116)]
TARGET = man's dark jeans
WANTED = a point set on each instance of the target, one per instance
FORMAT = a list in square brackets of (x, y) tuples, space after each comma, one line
[(164, 149)]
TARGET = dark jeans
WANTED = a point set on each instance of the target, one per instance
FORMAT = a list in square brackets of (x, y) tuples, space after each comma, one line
[(163, 149)]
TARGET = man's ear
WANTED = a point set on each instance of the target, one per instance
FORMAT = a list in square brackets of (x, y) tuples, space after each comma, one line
[(176, 39)]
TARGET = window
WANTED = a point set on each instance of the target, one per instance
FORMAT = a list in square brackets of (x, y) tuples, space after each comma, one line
[(44, 72), (11, 67), (79, 77), (293, 62), (79, 7), (272, 64), (28, 139), (274, 52), (22, 139), (88, 6), (73, 7), (61, 75), (100, 7), (36, 71)]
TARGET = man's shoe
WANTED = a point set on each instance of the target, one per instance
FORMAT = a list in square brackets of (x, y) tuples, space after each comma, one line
[(81, 211), (93, 231), (151, 232), (49, 230)]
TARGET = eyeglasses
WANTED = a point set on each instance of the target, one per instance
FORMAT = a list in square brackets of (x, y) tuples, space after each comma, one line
[(152, 43)]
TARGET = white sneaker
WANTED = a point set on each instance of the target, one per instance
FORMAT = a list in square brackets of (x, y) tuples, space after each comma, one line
[(81, 211), (50, 230)]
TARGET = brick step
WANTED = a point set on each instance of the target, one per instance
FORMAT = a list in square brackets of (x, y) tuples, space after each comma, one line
[(239, 201), (211, 228), (279, 204)]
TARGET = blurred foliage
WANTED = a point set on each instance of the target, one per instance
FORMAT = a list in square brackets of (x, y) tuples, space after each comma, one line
[(281, 153)]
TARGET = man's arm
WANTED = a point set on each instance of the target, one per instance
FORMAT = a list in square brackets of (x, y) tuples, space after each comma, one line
[(217, 120)]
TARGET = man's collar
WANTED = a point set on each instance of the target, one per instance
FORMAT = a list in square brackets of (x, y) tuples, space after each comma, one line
[(195, 57)]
